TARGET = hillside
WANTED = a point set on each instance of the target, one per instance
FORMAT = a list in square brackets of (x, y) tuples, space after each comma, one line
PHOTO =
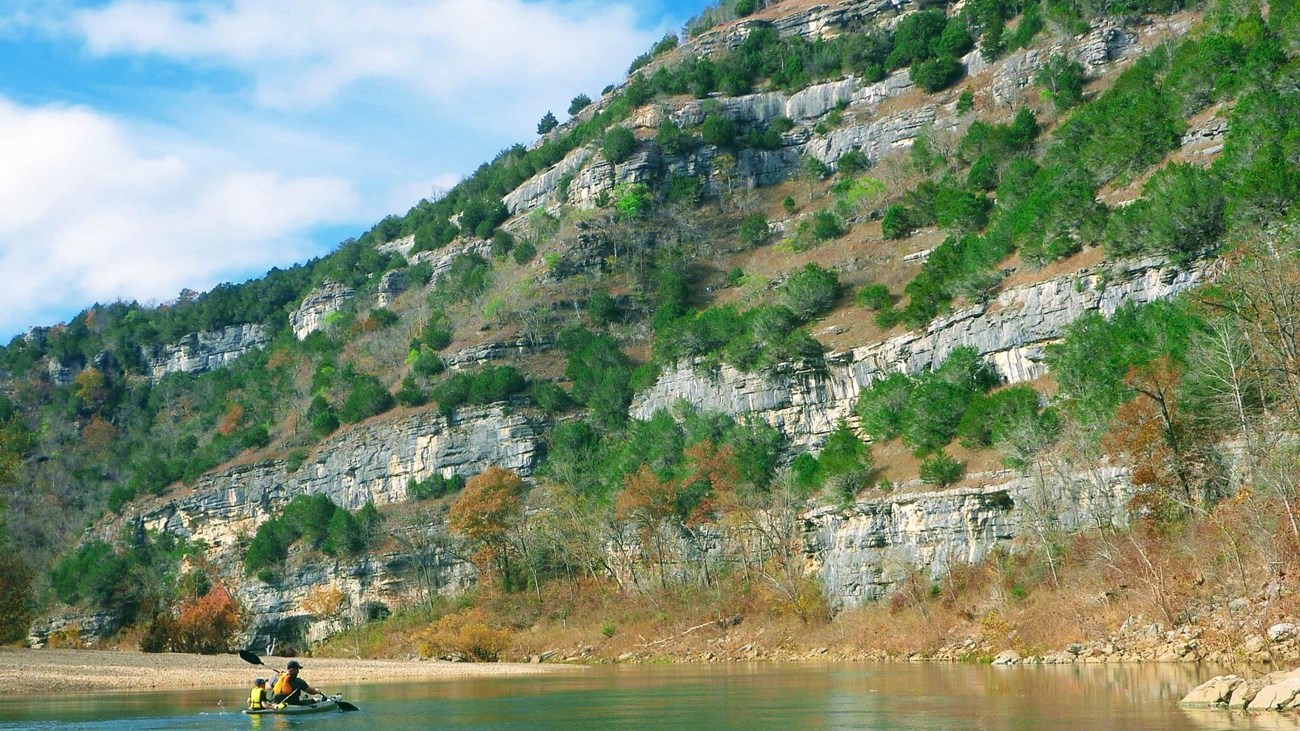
[(829, 309)]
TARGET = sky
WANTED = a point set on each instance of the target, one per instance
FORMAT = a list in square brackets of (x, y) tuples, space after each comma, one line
[(148, 146)]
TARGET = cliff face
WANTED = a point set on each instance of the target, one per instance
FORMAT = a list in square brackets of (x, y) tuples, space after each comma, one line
[(206, 351), (869, 126), (863, 552), (806, 402), (369, 462)]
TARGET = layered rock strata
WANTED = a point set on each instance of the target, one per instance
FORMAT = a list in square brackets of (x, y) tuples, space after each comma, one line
[(863, 552), (806, 401), (207, 351)]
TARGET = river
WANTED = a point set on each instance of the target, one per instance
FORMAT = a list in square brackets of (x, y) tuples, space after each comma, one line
[(789, 697)]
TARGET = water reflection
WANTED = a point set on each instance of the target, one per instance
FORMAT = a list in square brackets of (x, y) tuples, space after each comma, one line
[(897, 697)]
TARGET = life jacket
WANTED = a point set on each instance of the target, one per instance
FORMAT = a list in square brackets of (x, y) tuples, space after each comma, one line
[(256, 697), (282, 685)]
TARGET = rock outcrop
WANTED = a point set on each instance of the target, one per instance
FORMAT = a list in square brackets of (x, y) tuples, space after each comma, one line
[(369, 462), (206, 351), (318, 305), (806, 401), (863, 552), (1279, 691)]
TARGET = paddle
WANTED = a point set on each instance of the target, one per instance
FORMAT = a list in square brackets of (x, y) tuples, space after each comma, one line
[(252, 659)]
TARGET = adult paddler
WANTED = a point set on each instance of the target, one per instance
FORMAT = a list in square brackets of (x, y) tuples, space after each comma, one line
[(291, 689)]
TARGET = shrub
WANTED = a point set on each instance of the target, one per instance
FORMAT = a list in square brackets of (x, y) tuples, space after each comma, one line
[(208, 625), (502, 243), (601, 308), (718, 130), (434, 486), (937, 74), (965, 102), (381, 318), (810, 291), (875, 297), (464, 635), (826, 225), (1062, 81), (941, 470), (426, 363), (671, 139), (618, 145), (410, 393), (524, 252), (366, 397), (754, 230)]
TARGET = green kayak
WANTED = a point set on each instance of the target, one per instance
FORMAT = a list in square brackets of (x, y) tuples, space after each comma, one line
[(327, 703)]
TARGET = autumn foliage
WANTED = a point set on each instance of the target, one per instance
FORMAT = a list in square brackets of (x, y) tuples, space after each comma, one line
[(207, 625), (484, 514)]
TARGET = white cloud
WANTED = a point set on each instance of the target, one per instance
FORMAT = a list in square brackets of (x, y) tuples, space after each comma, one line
[(88, 212), (308, 52)]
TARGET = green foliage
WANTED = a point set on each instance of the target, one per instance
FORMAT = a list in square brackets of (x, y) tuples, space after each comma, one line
[(843, 453), (811, 291), (524, 252), (595, 461), (601, 308), (719, 130), (366, 397), (600, 373), (618, 145), (826, 225), (579, 103), (317, 522), (926, 410), (632, 200), (435, 486), (915, 37), (1090, 362), (502, 243), (547, 123), (662, 46), (672, 139), (1180, 215), (1062, 81), (490, 385), (467, 277), (991, 417), (322, 418), (381, 318), (875, 297), (686, 189), (965, 102), (754, 230), (937, 74), (751, 340), (941, 470), (410, 393)]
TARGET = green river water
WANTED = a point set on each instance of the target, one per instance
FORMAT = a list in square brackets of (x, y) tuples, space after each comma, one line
[(902, 696)]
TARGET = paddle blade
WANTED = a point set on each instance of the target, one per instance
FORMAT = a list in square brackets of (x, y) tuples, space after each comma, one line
[(345, 707), (249, 657)]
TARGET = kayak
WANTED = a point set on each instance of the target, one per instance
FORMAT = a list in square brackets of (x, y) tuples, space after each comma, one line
[(327, 703)]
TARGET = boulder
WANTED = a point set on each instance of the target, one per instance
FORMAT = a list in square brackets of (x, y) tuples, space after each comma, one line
[(1275, 696), (1007, 657), (1213, 692)]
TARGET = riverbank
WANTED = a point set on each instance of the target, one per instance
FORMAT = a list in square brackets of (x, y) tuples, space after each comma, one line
[(45, 671)]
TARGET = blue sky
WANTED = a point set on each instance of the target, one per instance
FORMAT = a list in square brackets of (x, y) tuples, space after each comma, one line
[(155, 145)]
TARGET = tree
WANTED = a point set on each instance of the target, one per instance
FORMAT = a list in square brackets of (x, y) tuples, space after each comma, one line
[(811, 291), (619, 144), (941, 470), (209, 625), (579, 103), (719, 130), (1062, 81), (485, 514), (547, 123)]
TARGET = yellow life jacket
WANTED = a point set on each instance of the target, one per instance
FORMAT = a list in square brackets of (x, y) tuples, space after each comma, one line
[(256, 697)]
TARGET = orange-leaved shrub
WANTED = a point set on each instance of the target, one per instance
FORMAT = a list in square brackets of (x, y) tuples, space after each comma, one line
[(465, 633)]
